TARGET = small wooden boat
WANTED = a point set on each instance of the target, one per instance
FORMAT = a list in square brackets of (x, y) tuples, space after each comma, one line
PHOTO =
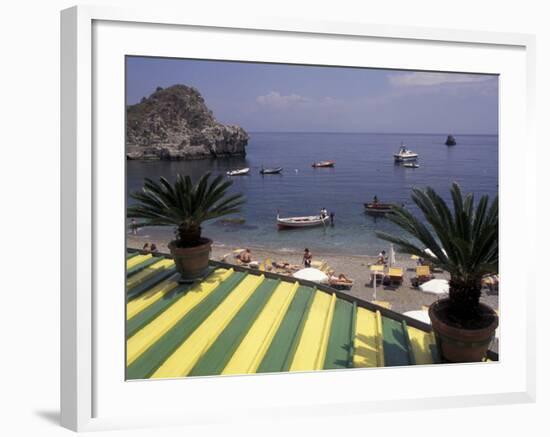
[(271, 170), (411, 165), (302, 222), (378, 208), (238, 172), (451, 141), (322, 164)]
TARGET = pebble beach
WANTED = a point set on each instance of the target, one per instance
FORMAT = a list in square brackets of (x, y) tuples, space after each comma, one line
[(400, 299)]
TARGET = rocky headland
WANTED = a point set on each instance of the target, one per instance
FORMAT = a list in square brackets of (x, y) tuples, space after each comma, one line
[(174, 123)]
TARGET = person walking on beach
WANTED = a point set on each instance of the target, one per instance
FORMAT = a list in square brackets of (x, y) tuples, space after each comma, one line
[(308, 256), (134, 227)]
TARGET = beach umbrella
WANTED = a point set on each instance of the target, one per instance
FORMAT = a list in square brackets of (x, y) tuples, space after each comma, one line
[(311, 274), (429, 252), (436, 286), (392, 255), (420, 315)]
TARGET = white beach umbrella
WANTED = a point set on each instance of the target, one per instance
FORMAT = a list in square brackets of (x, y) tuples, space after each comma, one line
[(429, 252), (419, 315), (392, 255), (435, 286), (311, 274)]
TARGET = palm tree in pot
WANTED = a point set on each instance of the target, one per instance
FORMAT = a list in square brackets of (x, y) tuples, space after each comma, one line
[(185, 206), (464, 242)]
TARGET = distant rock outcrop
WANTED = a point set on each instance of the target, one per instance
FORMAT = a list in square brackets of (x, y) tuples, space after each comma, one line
[(175, 123)]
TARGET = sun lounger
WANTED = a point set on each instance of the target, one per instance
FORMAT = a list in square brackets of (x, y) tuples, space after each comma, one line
[(423, 274), (340, 284), (321, 265), (395, 275), (289, 269), (376, 270)]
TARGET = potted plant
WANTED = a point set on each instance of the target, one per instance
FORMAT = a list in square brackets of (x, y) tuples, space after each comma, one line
[(464, 242), (186, 206)]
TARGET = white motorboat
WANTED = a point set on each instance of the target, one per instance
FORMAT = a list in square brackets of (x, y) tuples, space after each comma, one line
[(302, 222), (238, 172), (405, 154)]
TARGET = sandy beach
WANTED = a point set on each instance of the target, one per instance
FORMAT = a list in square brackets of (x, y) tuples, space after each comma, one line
[(401, 299)]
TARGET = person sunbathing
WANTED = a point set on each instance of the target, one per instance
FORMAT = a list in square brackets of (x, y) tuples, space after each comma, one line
[(341, 278), (245, 257), (285, 265)]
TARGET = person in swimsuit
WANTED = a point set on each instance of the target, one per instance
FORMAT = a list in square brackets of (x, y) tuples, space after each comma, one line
[(308, 256)]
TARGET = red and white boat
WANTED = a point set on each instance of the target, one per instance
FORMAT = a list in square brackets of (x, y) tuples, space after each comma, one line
[(323, 164), (378, 208), (302, 222)]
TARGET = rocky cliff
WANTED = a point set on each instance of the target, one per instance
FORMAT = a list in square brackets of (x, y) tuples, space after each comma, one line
[(175, 123)]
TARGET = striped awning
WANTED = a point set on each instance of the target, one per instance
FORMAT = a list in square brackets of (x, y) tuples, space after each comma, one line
[(239, 321)]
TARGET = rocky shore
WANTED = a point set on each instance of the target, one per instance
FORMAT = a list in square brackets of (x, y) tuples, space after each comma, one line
[(175, 124)]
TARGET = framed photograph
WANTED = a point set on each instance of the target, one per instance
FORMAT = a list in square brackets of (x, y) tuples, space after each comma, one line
[(268, 219)]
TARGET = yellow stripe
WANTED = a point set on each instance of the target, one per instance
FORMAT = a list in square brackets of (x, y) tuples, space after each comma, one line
[(151, 296), (146, 273), (421, 342), (326, 334), (309, 346), (382, 303), (132, 262), (364, 343), (379, 340), (251, 351), (145, 337), (186, 356)]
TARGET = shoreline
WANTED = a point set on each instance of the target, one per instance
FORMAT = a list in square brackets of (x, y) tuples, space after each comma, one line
[(401, 299)]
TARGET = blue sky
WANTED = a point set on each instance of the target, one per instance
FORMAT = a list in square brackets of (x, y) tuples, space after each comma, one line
[(283, 98)]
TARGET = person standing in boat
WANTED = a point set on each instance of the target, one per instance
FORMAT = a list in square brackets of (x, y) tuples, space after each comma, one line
[(324, 212), (375, 200), (308, 256)]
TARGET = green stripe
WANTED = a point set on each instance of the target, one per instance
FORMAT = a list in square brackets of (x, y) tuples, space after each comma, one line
[(434, 350), (149, 283), (147, 315), (146, 364), (396, 352), (218, 355), (281, 351), (131, 255), (412, 359), (339, 341), (143, 265)]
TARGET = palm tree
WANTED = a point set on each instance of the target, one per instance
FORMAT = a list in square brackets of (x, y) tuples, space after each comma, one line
[(464, 242), (184, 205)]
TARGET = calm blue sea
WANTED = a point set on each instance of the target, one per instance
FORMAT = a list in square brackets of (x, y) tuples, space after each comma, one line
[(364, 168)]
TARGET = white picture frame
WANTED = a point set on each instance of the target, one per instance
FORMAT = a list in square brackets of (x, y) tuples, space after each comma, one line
[(89, 373)]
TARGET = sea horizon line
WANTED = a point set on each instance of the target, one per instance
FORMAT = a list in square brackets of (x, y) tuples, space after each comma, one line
[(372, 133)]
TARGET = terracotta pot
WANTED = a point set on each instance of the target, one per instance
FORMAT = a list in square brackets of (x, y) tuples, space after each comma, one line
[(191, 262), (460, 345)]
